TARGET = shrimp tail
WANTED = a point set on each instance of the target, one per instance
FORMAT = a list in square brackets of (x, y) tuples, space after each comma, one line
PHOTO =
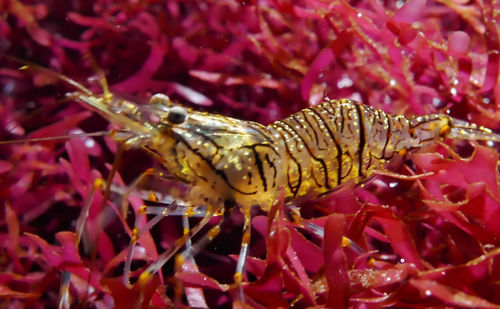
[(459, 129), (428, 128)]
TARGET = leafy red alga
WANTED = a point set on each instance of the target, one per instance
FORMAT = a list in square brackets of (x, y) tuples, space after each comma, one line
[(335, 263)]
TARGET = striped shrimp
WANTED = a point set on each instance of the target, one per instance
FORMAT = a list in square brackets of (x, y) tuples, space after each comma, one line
[(230, 163)]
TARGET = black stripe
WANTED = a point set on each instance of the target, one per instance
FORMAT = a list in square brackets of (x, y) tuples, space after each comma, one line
[(311, 127), (218, 172), (388, 134), (314, 178), (203, 134), (205, 137), (339, 149), (321, 161), (271, 164), (257, 127), (342, 118), (361, 146), (264, 145), (369, 161), (258, 162), (318, 125), (334, 118), (303, 127), (293, 189), (350, 166)]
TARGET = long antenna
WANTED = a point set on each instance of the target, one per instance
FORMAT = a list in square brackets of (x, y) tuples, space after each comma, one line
[(54, 138), (26, 65)]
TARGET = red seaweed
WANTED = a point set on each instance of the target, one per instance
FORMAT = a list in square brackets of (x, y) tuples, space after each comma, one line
[(430, 242)]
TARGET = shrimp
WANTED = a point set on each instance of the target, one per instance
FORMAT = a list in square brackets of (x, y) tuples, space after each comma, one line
[(226, 160), (230, 163), (235, 163)]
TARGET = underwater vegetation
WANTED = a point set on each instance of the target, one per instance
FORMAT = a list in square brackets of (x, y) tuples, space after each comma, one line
[(430, 240)]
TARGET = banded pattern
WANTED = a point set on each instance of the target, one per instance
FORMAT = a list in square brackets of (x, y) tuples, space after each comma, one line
[(341, 140)]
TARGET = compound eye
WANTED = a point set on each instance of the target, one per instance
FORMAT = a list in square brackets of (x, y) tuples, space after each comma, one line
[(176, 115)]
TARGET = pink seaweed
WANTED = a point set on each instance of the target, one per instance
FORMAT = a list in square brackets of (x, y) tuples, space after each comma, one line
[(422, 243)]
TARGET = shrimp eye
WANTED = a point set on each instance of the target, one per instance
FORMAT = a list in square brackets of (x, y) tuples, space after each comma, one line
[(176, 115)]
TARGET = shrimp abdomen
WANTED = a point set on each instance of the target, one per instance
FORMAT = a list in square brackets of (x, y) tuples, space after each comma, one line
[(342, 140)]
